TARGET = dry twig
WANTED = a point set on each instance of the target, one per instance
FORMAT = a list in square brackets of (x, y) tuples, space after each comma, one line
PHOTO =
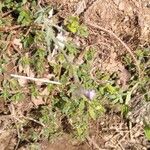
[(8, 29), (36, 121), (7, 13), (35, 79)]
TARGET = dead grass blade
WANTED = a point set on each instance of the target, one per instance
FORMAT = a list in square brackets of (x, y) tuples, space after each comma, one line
[(35, 79)]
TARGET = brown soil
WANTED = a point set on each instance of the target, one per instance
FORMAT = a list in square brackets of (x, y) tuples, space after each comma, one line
[(110, 133), (130, 22), (65, 142)]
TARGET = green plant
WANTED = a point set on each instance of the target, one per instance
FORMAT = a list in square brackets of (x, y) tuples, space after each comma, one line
[(38, 61), (49, 119), (24, 17), (71, 106), (74, 26), (147, 131)]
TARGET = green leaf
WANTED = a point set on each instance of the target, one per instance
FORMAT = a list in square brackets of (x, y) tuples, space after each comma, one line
[(89, 54), (81, 106), (100, 108), (28, 41), (71, 48), (73, 24), (18, 97), (5, 94), (129, 93), (147, 131), (83, 31), (50, 35), (67, 108), (110, 89), (33, 90), (92, 112), (24, 17), (124, 110), (25, 61)]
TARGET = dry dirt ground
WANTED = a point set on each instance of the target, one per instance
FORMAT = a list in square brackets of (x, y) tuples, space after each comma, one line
[(116, 27), (111, 22)]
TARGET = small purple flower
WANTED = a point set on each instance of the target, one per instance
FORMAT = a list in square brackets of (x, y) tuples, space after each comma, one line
[(90, 94)]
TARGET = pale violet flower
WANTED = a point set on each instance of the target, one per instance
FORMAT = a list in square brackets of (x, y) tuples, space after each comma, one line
[(90, 94)]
